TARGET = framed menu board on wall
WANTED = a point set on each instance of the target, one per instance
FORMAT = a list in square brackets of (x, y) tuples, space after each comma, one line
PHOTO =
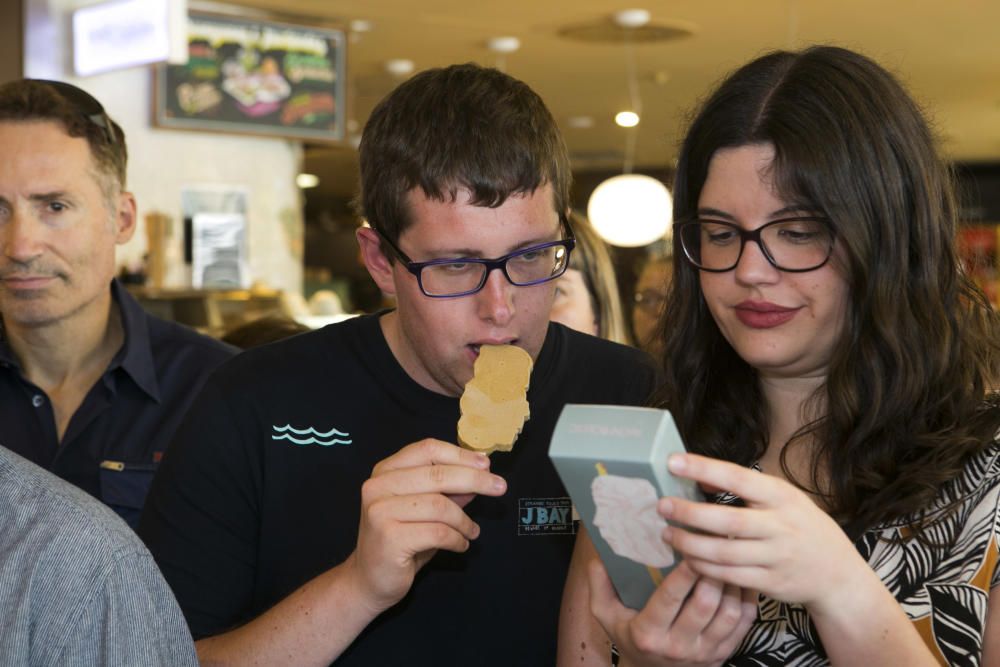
[(253, 77)]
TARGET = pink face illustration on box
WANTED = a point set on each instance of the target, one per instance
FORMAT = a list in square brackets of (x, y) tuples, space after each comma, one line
[(627, 519)]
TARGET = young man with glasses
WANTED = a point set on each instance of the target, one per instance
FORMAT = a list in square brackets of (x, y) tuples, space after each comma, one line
[(91, 386), (456, 559)]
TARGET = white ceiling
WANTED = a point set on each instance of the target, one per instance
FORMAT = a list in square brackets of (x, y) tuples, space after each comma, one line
[(946, 52)]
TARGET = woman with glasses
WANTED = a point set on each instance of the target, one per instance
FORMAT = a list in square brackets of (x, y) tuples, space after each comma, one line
[(829, 365)]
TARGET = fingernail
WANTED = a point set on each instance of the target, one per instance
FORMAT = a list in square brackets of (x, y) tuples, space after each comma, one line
[(499, 484), (666, 506), (482, 460), (676, 463), (475, 530)]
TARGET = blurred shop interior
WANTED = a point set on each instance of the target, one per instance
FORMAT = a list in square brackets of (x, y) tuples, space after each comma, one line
[(243, 122)]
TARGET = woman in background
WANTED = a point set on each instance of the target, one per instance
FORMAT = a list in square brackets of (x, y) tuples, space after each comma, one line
[(587, 297), (650, 296), (823, 333)]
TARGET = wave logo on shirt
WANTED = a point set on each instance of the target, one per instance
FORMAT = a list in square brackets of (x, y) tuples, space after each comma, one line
[(310, 436)]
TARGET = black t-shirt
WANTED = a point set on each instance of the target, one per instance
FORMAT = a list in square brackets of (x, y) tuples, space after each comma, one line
[(260, 492)]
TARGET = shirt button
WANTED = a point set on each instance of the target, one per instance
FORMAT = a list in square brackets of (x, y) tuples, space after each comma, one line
[(37, 400)]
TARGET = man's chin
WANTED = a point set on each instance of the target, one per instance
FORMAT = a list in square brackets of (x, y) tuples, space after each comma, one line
[(28, 315)]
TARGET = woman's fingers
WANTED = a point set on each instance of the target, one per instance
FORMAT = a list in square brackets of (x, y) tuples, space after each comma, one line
[(732, 619), (605, 605), (668, 599), (744, 576), (752, 486), (726, 520), (719, 549), (698, 609)]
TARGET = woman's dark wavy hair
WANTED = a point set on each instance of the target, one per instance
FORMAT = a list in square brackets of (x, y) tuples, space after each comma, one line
[(908, 396)]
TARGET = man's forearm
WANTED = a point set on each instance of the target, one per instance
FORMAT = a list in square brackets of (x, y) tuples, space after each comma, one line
[(312, 626)]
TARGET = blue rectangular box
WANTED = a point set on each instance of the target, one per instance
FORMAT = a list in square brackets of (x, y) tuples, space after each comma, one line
[(613, 462)]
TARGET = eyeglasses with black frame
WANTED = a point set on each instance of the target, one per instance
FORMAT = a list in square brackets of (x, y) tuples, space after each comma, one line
[(462, 276), (86, 104), (795, 245)]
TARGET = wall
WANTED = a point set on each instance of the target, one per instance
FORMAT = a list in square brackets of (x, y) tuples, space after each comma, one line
[(11, 40), (162, 162)]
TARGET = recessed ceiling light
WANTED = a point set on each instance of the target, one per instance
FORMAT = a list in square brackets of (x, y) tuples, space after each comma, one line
[(580, 122), (504, 44), (627, 118), (305, 181), (399, 66), (632, 18), (360, 25)]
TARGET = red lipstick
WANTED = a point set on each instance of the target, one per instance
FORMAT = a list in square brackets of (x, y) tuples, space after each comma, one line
[(763, 315)]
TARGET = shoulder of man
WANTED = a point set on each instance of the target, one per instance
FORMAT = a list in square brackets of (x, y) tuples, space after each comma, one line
[(76, 530), (595, 360), (73, 559), (171, 338), (605, 352), (302, 358)]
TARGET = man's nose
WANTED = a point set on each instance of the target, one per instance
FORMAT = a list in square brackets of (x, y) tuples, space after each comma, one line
[(496, 299), (20, 237)]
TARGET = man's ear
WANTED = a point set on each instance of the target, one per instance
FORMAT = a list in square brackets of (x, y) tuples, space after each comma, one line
[(125, 218), (376, 261)]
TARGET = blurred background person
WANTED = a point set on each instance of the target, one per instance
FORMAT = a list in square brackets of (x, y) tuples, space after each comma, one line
[(263, 330), (647, 306), (587, 297)]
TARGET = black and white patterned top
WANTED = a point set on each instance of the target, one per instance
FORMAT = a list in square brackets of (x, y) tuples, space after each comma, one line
[(944, 591)]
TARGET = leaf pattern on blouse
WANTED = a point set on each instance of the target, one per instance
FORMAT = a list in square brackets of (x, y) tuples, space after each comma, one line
[(942, 584)]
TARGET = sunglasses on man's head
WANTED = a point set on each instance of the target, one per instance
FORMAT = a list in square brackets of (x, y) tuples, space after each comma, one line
[(86, 104)]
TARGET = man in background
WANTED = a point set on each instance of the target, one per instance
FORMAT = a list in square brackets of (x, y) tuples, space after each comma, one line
[(91, 386), (313, 507)]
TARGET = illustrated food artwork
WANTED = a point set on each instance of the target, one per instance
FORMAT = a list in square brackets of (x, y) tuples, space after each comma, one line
[(627, 519)]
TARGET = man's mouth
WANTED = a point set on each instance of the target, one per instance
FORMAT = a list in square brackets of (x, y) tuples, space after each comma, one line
[(475, 346)]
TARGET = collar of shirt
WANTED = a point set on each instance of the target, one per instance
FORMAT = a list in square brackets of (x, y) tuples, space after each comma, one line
[(135, 357)]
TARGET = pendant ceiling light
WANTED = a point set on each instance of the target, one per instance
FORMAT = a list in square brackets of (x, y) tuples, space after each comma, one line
[(631, 209)]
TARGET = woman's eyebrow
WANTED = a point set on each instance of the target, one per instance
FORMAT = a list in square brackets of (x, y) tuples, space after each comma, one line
[(795, 208), (785, 210), (716, 213)]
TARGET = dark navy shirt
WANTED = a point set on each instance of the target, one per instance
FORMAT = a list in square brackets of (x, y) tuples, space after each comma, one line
[(115, 439)]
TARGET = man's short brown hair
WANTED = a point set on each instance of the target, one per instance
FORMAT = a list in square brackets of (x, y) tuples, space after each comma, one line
[(28, 100), (458, 127)]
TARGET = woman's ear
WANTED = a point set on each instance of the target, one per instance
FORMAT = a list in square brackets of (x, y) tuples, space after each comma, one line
[(376, 261)]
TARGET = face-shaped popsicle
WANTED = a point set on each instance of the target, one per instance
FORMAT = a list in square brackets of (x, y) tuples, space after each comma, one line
[(495, 404)]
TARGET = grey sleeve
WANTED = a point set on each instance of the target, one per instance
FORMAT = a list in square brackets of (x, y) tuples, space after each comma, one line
[(130, 617)]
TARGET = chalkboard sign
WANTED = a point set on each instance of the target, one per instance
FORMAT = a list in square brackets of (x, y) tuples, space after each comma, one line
[(253, 77)]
